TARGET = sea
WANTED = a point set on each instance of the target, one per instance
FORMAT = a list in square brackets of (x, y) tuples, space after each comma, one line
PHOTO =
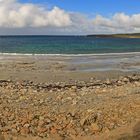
[(79, 52), (67, 45)]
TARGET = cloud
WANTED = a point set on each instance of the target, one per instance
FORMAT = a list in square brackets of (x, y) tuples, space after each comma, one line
[(29, 18), (119, 22), (18, 15)]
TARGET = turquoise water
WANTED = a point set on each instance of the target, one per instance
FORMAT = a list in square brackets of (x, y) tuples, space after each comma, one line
[(67, 45)]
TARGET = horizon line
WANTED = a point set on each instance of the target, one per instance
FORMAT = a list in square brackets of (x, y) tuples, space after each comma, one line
[(70, 35)]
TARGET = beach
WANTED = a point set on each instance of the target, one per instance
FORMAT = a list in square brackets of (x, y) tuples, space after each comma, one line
[(70, 97), (69, 70), (65, 68)]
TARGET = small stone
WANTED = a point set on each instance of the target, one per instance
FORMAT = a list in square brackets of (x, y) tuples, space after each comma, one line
[(48, 120), (125, 80), (42, 129), (72, 111), (11, 118), (137, 83), (24, 131), (53, 131), (14, 131), (69, 98), (111, 126), (106, 130), (41, 118), (41, 101), (82, 121), (108, 82), (119, 83), (42, 135), (95, 127), (74, 102), (26, 125), (86, 129), (74, 87)]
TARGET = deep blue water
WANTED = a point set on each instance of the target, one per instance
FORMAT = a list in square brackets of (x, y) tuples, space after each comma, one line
[(67, 45)]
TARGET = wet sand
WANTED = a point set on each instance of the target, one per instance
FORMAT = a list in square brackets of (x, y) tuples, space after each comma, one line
[(66, 68)]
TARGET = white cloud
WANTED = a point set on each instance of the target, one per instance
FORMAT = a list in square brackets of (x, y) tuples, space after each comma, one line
[(29, 18), (15, 14), (119, 22)]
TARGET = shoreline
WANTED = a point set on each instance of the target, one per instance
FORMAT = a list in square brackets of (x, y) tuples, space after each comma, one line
[(53, 69), (64, 98), (69, 55)]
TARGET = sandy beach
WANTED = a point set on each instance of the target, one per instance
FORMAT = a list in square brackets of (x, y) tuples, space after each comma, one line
[(68, 68), (70, 98)]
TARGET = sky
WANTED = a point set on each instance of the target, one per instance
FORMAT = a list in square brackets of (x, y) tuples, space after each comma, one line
[(69, 17)]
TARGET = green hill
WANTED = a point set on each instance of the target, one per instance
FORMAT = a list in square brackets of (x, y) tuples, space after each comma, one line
[(134, 35)]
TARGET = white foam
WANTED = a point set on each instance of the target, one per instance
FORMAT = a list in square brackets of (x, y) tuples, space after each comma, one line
[(69, 55)]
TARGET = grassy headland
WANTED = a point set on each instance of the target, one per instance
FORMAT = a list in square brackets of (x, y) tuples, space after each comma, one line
[(134, 35)]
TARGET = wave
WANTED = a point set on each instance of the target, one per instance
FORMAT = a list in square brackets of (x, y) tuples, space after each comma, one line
[(69, 55)]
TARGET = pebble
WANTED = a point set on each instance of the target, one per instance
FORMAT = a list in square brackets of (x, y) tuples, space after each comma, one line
[(95, 127), (65, 110)]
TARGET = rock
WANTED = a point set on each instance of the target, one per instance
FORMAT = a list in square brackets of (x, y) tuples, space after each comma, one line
[(82, 121), (14, 131), (106, 130), (41, 101), (69, 98), (71, 111), (89, 119), (24, 131), (95, 127), (71, 131), (42, 135), (126, 80), (86, 130), (137, 83), (74, 87), (41, 118), (48, 120), (26, 125), (53, 130), (92, 79), (119, 83), (111, 126), (108, 82), (11, 118), (42, 129), (41, 123), (74, 102)]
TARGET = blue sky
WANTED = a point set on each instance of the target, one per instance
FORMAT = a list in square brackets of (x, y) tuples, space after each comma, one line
[(93, 7), (69, 16)]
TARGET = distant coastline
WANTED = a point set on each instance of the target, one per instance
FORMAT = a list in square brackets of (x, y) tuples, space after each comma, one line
[(123, 35), (134, 35)]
